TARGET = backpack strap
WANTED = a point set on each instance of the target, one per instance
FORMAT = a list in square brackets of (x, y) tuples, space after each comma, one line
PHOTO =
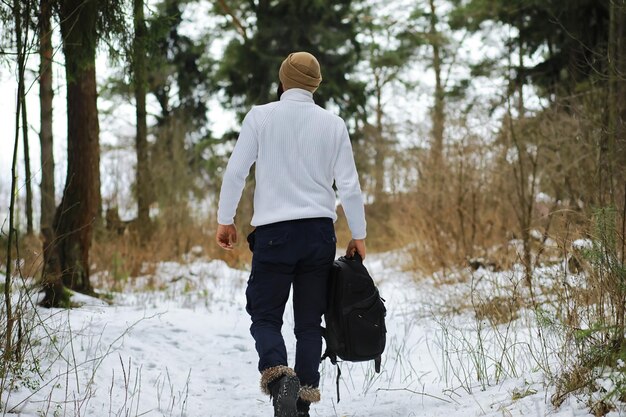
[(377, 362), (330, 355), (357, 257), (337, 381), (333, 359)]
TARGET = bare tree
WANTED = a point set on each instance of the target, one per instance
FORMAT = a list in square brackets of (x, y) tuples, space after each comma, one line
[(8, 343)]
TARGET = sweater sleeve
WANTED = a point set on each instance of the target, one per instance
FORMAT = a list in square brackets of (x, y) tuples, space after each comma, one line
[(347, 181), (237, 170)]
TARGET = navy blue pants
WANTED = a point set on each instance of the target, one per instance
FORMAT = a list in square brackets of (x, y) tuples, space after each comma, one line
[(298, 253)]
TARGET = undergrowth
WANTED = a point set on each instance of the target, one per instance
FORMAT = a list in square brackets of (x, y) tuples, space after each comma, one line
[(570, 327)]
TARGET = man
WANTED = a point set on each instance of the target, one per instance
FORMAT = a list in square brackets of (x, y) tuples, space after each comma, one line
[(299, 149)]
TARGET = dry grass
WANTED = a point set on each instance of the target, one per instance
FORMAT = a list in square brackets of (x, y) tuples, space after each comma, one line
[(569, 382), (29, 251), (121, 254), (124, 256), (499, 310)]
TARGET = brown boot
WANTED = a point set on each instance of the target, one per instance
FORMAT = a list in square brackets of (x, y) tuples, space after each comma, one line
[(283, 386), (307, 396), (303, 408)]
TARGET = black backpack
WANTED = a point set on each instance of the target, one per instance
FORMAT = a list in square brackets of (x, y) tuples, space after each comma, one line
[(355, 315)]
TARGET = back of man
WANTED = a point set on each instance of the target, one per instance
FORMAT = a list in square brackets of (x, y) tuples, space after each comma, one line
[(296, 160), (299, 149)]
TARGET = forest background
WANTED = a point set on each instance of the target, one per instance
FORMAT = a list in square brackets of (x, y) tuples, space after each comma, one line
[(474, 124)]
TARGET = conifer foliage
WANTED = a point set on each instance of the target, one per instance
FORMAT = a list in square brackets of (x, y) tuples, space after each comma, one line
[(328, 29)]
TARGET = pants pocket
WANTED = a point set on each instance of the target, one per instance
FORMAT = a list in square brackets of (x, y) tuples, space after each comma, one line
[(251, 240), (328, 235), (271, 239), (249, 294)]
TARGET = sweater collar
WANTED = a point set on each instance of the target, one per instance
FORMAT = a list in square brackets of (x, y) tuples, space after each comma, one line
[(297, 94)]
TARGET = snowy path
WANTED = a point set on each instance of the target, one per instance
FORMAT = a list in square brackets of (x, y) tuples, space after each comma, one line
[(185, 350)]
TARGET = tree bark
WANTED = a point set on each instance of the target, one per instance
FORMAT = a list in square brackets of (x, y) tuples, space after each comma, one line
[(621, 84), (55, 294), (21, 40), (520, 78), (141, 141), (379, 144), (80, 205), (45, 99), (8, 342), (607, 139), (27, 172)]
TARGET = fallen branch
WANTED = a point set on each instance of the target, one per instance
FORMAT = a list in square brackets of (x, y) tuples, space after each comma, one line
[(425, 394)]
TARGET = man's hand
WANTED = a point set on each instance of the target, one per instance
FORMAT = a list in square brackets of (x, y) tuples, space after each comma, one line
[(226, 236), (356, 245)]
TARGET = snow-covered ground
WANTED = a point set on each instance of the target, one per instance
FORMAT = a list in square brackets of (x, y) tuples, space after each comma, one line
[(176, 343)]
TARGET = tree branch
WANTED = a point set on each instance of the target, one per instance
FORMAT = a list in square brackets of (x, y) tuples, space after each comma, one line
[(241, 29)]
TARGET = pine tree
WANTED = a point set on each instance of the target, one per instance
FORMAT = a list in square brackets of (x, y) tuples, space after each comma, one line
[(179, 78), (574, 37), (82, 24), (325, 28), (176, 72), (76, 215)]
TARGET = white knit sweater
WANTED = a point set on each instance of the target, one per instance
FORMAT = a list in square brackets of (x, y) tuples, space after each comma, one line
[(299, 149)]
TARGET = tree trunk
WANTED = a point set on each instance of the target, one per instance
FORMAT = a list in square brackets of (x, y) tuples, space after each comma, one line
[(620, 136), (55, 294), (615, 132), (8, 343), (10, 319), (45, 99), (21, 58), (80, 205), (438, 114), (607, 139), (520, 78), (379, 144), (141, 141), (27, 173)]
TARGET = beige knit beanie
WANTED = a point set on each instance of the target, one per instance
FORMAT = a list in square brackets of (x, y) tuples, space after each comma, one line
[(300, 70)]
